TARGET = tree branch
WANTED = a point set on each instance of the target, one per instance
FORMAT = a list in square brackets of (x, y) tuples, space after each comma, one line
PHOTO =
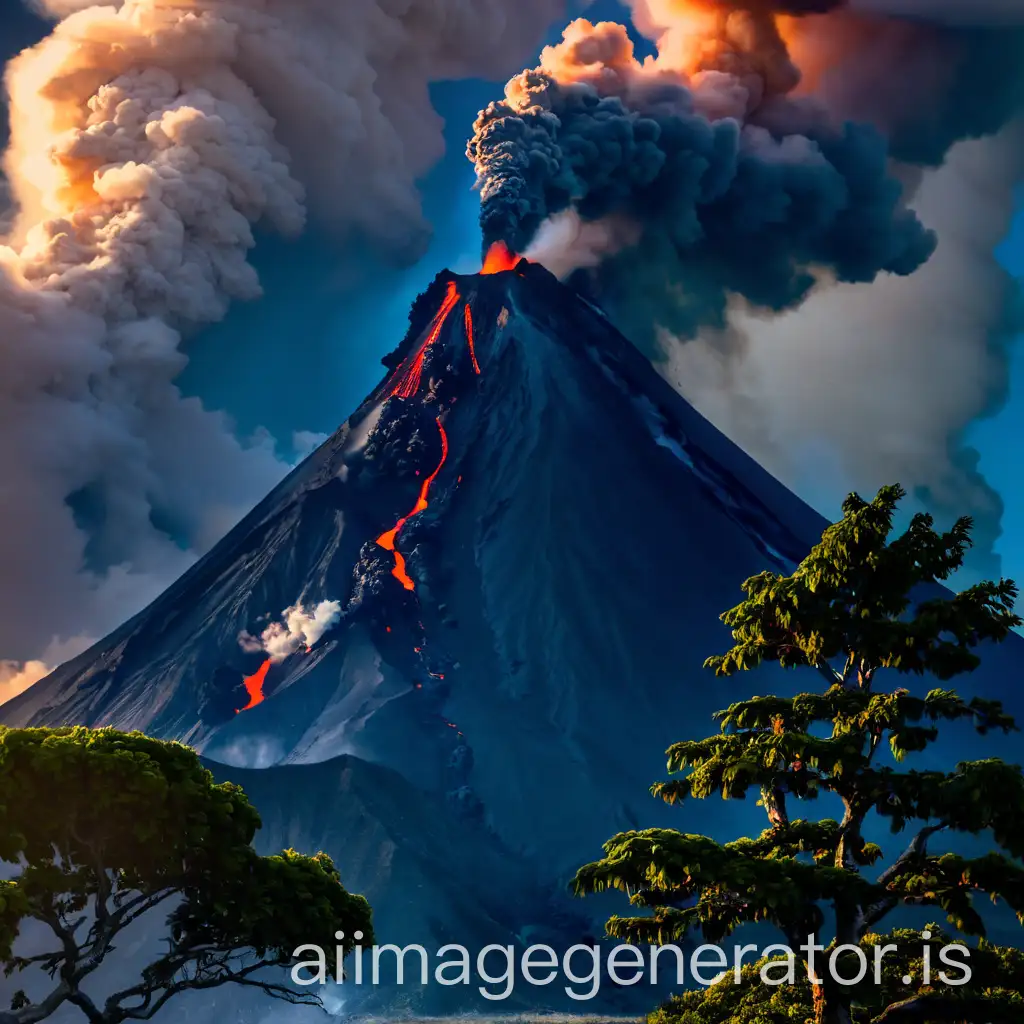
[(773, 797), (134, 909), (87, 1006), (148, 1008), (37, 1011), (834, 678), (66, 937), (917, 848)]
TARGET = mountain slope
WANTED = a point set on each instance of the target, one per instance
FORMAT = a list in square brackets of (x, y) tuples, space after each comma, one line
[(584, 530), (529, 536)]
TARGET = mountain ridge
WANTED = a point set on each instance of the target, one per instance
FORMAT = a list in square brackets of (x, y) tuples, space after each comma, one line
[(318, 473), (529, 537)]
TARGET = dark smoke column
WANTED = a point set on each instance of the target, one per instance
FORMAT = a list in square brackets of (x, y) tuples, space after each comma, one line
[(736, 187)]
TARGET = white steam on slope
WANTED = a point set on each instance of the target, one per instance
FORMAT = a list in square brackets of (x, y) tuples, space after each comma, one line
[(148, 137), (301, 627)]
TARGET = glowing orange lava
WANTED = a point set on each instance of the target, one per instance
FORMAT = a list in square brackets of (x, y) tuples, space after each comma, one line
[(411, 371), (499, 257), (469, 338), (254, 687), (387, 540)]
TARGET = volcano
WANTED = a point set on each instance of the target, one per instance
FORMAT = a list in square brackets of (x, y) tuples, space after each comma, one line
[(524, 537)]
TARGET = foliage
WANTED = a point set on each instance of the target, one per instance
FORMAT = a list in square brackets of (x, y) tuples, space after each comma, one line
[(996, 985), (105, 827), (856, 605)]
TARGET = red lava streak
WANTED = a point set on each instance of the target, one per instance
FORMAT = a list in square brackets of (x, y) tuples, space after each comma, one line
[(387, 540), (469, 339), (408, 377), (254, 687), (499, 257)]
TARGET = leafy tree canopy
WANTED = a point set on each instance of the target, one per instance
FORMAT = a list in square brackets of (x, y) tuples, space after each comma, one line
[(858, 604), (993, 993), (104, 827)]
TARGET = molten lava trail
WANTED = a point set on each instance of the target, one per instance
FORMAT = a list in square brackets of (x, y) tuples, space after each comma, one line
[(387, 540), (409, 374), (499, 257), (254, 687), (469, 339)]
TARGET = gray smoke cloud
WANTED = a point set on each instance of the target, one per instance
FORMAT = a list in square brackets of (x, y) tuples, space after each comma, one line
[(745, 191), (927, 73), (840, 395), (148, 139), (781, 176), (953, 12)]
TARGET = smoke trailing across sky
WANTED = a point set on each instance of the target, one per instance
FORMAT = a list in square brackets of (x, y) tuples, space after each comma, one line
[(768, 150), (149, 138), (745, 189), (239, 112), (928, 73)]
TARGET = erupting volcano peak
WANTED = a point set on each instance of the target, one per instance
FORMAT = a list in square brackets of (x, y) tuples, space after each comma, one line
[(470, 559), (499, 257)]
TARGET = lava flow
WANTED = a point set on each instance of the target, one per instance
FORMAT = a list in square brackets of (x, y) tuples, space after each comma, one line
[(410, 373), (254, 686), (387, 540), (499, 257), (469, 339)]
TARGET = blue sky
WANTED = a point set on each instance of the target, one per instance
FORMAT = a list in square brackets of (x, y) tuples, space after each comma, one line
[(998, 439), (309, 317)]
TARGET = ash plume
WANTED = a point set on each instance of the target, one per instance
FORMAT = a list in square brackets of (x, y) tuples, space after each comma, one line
[(772, 153), (148, 139), (749, 189)]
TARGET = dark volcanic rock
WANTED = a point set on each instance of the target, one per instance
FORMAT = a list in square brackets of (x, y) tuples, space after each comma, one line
[(460, 747)]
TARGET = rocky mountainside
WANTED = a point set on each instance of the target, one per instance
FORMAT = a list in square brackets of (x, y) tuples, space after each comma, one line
[(466, 628)]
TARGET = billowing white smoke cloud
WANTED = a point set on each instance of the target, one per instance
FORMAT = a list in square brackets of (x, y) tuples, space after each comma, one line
[(865, 385), (300, 627), (148, 137), (566, 243)]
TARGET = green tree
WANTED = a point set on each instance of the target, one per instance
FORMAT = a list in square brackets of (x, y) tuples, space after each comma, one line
[(858, 604), (100, 827), (995, 989)]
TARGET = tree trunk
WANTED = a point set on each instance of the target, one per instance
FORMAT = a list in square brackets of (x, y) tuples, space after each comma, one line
[(832, 1005), (836, 1011)]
